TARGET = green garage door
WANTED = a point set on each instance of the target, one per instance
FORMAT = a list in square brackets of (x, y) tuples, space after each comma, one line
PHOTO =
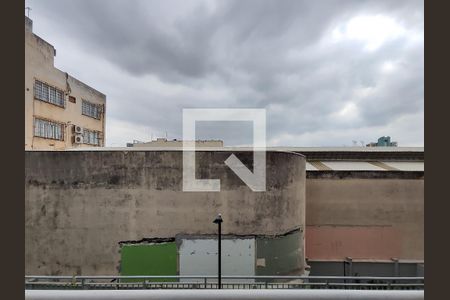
[(149, 259)]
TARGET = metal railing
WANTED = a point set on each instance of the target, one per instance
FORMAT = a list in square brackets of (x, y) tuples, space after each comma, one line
[(228, 282), (222, 294)]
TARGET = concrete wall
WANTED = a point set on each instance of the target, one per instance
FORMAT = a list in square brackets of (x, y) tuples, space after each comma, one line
[(81, 204), (375, 217), (39, 64), (280, 255)]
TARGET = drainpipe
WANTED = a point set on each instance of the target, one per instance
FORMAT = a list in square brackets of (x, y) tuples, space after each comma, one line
[(349, 260), (103, 123), (396, 266)]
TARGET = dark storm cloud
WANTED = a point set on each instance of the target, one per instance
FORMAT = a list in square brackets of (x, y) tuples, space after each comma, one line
[(280, 55)]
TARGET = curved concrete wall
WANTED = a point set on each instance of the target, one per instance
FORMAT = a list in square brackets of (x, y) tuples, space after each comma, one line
[(81, 204)]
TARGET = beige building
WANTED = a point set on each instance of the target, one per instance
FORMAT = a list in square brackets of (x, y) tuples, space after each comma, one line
[(164, 142), (60, 111)]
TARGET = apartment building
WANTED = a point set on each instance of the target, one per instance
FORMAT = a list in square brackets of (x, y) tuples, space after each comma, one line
[(61, 112)]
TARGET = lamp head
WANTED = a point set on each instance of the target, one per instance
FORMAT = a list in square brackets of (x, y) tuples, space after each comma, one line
[(218, 219)]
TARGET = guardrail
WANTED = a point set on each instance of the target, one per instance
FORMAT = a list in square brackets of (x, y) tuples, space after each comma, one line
[(228, 282), (225, 295)]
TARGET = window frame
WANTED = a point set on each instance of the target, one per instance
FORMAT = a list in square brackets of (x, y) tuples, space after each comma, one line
[(62, 129), (51, 92), (95, 133), (92, 109)]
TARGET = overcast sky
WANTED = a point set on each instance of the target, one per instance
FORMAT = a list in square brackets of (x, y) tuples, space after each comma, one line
[(327, 72)]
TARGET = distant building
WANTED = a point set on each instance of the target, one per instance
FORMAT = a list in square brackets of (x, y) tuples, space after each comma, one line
[(60, 111), (163, 142), (384, 141)]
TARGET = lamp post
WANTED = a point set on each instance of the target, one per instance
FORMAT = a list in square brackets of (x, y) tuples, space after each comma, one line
[(218, 220)]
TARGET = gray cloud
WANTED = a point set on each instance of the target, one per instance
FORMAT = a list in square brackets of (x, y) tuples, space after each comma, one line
[(279, 55)]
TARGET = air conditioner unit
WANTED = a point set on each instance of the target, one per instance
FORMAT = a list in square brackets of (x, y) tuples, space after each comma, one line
[(77, 139), (77, 129)]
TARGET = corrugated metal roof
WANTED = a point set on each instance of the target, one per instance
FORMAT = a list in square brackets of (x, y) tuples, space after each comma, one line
[(407, 165), (352, 166), (383, 165), (310, 167), (352, 149), (365, 166), (319, 166)]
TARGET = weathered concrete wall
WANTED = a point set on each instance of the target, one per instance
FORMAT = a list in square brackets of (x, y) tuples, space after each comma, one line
[(280, 255), (81, 204), (368, 218)]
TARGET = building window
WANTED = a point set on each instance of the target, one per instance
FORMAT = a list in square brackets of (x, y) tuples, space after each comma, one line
[(72, 99), (90, 109), (48, 129), (91, 137), (47, 93)]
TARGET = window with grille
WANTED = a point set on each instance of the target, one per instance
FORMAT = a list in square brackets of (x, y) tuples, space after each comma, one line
[(90, 109), (47, 93), (48, 129), (91, 137)]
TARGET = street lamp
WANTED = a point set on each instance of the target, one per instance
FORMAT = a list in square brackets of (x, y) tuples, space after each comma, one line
[(218, 220)]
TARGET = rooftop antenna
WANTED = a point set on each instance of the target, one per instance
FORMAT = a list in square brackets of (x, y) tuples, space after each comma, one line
[(28, 11)]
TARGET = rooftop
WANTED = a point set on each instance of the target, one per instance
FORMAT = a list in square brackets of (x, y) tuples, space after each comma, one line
[(290, 149), (324, 158)]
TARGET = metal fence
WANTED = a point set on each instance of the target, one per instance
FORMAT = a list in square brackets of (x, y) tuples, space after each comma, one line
[(222, 295), (228, 282)]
